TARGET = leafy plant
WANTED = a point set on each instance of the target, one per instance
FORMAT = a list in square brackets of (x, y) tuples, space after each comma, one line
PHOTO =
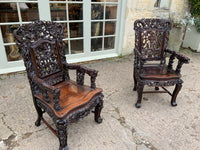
[(197, 23), (195, 7), (195, 11)]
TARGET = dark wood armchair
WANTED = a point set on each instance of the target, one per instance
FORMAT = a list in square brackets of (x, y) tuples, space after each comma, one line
[(150, 67), (53, 92)]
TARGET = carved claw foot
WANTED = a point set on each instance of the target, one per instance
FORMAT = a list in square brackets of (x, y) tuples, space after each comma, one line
[(173, 104), (38, 122), (99, 120), (138, 105), (64, 148)]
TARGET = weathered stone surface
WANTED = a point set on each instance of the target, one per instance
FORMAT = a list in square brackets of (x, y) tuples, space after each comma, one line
[(155, 126)]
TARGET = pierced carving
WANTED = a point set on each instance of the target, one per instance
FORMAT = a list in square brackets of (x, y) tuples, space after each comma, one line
[(44, 58), (151, 39)]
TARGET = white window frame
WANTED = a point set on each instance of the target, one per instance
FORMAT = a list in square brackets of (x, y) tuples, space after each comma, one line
[(44, 14)]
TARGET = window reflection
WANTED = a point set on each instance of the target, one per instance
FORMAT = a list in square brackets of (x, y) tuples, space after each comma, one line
[(29, 11), (58, 12), (75, 11), (110, 28), (76, 30), (109, 43), (111, 11), (96, 44), (66, 47), (111, 0), (96, 28), (12, 52), (8, 12), (76, 46), (97, 11)]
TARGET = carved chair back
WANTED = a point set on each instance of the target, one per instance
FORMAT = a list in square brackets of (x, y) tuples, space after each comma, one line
[(42, 49), (151, 38)]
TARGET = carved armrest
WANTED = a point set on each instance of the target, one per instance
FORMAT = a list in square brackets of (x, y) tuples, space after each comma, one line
[(45, 89), (80, 72), (139, 60), (181, 60)]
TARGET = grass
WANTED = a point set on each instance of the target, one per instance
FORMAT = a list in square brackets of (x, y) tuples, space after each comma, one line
[(120, 56)]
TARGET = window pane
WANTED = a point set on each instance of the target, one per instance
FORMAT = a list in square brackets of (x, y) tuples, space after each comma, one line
[(76, 29), (97, 0), (66, 48), (109, 43), (111, 11), (64, 25), (111, 0), (109, 28), (75, 11), (96, 28), (58, 12), (7, 32), (29, 11), (97, 11), (12, 53), (76, 46), (96, 44), (75, 0), (8, 12)]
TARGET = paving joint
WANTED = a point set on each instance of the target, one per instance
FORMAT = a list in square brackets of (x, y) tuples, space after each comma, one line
[(137, 138)]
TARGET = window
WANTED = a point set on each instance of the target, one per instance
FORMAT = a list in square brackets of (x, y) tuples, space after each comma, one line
[(162, 4)]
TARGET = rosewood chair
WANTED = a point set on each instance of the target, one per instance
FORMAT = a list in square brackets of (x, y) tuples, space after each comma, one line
[(150, 67), (53, 92)]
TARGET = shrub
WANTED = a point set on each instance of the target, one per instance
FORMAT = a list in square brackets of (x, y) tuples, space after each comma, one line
[(195, 11)]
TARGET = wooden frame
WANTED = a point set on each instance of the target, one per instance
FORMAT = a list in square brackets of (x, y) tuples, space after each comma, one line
[(42, 48), (151, 39)]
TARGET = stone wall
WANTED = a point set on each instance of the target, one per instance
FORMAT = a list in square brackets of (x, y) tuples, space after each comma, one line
[(137, 9)]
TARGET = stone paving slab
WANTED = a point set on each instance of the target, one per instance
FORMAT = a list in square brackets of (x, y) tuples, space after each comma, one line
[(155, 126)]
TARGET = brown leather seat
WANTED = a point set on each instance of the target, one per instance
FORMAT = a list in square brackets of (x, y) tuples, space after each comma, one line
[(72, 97), (158, 72)]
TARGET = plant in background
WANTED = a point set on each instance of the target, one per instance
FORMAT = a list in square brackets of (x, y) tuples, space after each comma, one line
[(197, 23), (187, 21), (184, 23), (195, 11), (195, 7)]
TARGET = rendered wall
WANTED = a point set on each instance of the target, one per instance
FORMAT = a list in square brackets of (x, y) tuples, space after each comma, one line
[(137, 9)]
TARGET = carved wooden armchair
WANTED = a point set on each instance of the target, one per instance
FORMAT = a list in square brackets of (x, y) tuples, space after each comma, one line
[(150, 67), (53, 92)]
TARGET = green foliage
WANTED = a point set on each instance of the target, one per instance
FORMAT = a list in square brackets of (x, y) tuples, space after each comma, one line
[(121, 56), (195, 11), (195, 7), (197, 23)]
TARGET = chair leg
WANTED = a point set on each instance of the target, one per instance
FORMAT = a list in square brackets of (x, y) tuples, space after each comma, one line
[(39, 112), (97, 111), (140, 91), (135, 82), (62, 134), (175, 93)]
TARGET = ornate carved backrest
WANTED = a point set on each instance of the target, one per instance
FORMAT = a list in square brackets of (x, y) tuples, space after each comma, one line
[(42, 49), (151, 37)]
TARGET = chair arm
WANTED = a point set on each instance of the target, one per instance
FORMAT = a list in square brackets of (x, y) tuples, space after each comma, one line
[(180, 57), (80, 72), (139, 60), (137, 53), (181, 60), (45, 89)]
